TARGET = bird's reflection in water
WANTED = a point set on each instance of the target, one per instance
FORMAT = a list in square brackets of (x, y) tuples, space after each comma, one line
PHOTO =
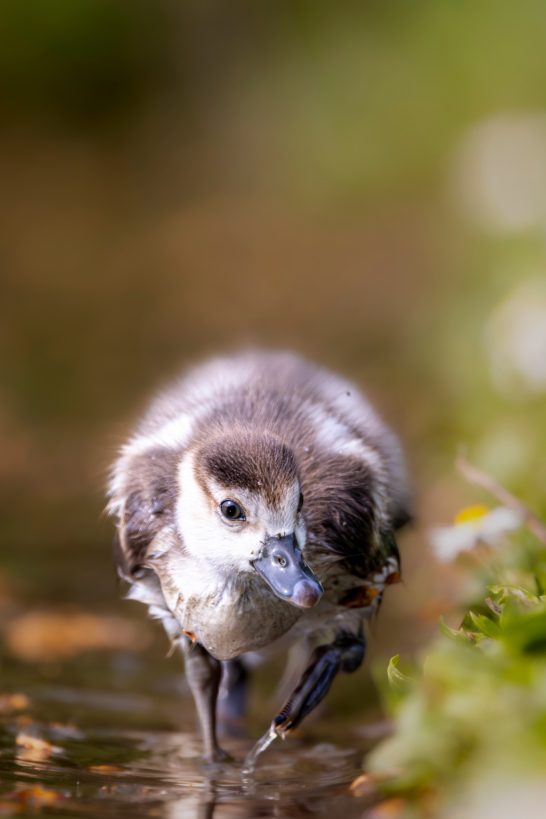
[(299, 781), (116, 772)]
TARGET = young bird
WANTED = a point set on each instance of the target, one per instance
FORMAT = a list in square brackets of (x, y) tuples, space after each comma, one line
[(259, 497)]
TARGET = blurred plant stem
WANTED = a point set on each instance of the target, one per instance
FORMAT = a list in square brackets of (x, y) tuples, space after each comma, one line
[(480, 478)]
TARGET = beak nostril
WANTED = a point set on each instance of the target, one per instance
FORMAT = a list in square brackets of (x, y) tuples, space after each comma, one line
[(280, 563)]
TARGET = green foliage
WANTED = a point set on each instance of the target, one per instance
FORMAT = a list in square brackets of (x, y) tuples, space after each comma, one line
[(477, 710), (396, 678)]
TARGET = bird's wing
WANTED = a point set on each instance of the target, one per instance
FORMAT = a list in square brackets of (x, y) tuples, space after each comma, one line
[(351, 523), (142, 498)]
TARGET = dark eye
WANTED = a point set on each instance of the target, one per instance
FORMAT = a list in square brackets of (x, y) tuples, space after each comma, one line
[(232, 510), (300, 502)]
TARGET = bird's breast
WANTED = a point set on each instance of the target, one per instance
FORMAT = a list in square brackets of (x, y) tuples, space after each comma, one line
[(230, 616)]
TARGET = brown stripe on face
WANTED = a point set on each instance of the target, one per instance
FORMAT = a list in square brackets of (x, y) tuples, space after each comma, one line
[(201, 479), (258, 462)]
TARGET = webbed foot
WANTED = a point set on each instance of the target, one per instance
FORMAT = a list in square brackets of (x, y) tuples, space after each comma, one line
[(313, 687)]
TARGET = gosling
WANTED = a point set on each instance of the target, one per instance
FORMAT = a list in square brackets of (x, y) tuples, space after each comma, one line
[(258, 499)]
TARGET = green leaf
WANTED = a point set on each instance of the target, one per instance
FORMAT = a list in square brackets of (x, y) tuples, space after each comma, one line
[(458, 634), (485, 625), (397, 678), (526, 631)]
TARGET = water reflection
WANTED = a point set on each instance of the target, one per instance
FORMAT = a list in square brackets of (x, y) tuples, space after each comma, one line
[(65, 769)]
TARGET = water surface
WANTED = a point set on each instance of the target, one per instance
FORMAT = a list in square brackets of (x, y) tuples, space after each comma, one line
[(111, 732), (90, 762)]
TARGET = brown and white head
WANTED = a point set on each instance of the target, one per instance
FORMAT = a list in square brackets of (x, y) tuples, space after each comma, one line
[(240, 508)]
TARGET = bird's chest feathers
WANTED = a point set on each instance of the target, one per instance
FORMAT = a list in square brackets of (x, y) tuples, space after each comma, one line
[(227, 612)]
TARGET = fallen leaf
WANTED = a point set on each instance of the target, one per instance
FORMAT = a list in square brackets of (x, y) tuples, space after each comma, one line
[(367, 784), (13, 702), (28, 799), (105, 768), (364, 785), (34, 749), (37, 796), (49, 636)]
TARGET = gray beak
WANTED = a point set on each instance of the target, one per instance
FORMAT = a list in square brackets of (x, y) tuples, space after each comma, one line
[(283, 568)]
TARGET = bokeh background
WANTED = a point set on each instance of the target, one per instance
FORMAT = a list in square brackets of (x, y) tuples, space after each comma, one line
[(363, 182)]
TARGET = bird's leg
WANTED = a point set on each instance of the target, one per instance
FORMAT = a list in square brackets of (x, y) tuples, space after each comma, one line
[(344, 654), (203, 674), (233, 691)]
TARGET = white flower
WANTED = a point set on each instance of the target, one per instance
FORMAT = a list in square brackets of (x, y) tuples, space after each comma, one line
[(473, 525)]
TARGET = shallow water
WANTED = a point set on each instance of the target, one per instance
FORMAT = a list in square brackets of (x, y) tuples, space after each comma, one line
[(125, 750), (112, 733), (123, 771)]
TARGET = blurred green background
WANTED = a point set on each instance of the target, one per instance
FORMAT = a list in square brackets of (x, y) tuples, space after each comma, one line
[(364, 182)]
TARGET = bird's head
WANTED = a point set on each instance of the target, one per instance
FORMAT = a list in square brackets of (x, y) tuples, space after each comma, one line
[(240, 508)]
